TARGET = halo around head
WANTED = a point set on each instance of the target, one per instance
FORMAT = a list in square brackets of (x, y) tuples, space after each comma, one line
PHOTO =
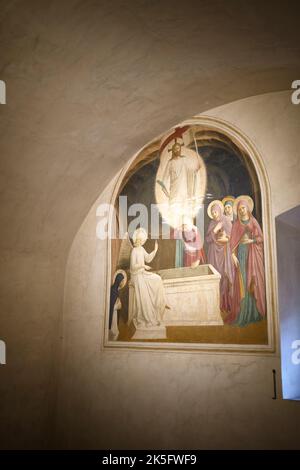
[(248, 200), (228, 199), (213, 203), (124, 281), (141, 234)]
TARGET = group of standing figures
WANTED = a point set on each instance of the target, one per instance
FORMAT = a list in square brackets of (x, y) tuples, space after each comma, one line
[(235, 248)]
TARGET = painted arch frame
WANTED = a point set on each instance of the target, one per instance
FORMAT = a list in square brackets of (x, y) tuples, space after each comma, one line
[(244, 143)]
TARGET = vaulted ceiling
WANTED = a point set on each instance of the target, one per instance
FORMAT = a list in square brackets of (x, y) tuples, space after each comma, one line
[(89, 82)]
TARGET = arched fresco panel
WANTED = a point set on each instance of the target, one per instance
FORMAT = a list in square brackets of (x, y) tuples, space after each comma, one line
[(190, 258)]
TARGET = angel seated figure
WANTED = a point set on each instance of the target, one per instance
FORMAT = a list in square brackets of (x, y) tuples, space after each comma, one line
[(149, 302)]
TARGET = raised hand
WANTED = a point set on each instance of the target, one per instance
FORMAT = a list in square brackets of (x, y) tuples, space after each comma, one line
[(235, 260), (218, 227), (247, 242)]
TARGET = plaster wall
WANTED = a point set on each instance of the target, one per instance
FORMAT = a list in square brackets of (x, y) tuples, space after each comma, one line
[(124, 399)]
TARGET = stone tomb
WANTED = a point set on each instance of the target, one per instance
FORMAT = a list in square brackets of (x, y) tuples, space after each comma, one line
[(193, 295)]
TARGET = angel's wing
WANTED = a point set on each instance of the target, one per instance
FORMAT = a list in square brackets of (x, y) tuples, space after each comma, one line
[(124, 254)]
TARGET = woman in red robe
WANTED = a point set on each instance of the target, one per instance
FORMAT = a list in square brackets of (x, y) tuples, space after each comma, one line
[(246, 242), (192, 246)]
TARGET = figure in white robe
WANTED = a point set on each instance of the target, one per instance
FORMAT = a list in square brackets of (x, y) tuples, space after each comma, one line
[(179, 183), (149, 299)]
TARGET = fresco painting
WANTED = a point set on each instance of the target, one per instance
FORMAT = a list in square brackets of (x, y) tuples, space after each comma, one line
[(201, 277)]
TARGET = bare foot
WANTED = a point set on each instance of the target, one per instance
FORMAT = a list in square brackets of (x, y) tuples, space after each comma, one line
[(195, 264)]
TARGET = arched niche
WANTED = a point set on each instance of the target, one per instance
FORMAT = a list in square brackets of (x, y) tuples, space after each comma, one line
[(234, 166)]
